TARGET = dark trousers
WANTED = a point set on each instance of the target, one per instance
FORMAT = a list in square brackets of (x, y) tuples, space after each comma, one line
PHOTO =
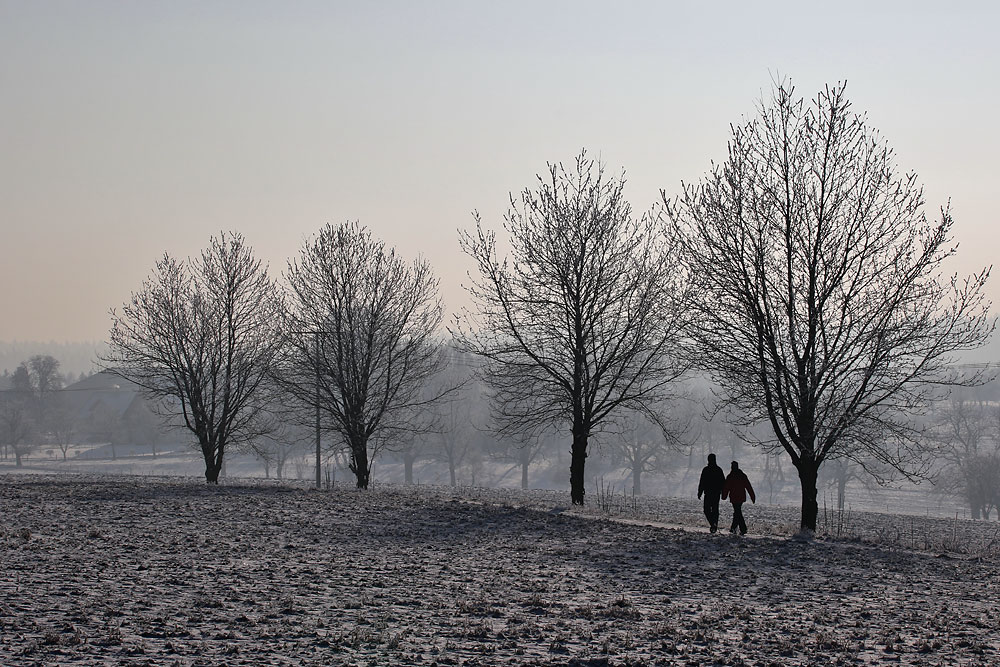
[(712, 509), (738, 520)]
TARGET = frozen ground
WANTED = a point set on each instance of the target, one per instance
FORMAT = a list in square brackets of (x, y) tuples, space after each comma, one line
[(159, 571)]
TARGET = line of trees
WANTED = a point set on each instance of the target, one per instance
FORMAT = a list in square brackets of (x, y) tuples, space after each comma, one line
[(352, 340), (802, 275), (37, 409), (31, 405)]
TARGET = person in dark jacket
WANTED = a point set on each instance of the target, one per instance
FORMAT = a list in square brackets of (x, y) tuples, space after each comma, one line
[(737, 488), (712, 480)]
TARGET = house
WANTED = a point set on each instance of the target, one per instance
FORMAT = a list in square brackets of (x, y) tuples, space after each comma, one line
[(109, 410)]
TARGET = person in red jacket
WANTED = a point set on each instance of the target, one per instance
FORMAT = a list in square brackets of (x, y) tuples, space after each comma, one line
[(736, 488)]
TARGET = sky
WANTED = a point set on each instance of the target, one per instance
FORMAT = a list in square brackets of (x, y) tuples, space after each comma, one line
[(133, 129)]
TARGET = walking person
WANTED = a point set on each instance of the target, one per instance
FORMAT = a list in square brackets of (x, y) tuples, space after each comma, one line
[(737, 487), (711, 483)]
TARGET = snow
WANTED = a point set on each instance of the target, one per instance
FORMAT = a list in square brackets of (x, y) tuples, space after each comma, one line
[(133, 571)]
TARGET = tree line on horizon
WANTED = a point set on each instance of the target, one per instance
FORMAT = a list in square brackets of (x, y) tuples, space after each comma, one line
[(802, 275)]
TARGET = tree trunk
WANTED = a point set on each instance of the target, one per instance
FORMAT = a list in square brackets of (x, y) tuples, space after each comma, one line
[(212, 473), (359, 461), (363, 474), (637, 481), (524, 473), (17, 458), (577, 463), (407, 470), (808, 472), (451, 470), (841, 491), (213, 462)]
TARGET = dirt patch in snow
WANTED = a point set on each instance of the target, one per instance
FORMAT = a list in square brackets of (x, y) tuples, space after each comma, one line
[(134, 571)]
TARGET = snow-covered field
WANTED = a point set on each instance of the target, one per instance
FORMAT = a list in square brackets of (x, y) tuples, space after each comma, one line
[(162, 571)]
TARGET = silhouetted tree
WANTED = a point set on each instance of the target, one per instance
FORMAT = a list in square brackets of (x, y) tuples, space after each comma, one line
[(199, 338), (584, 317), (41, 380), (360, 340), (820, 303)]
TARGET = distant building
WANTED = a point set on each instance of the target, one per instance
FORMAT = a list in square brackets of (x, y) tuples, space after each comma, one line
[(107, 409)]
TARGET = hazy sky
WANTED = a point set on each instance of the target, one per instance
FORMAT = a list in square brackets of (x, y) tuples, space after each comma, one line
[(130, 129)]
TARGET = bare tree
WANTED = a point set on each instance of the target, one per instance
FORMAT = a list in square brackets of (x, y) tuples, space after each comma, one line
[(840, 472), (411, 451), (277, 447), (821, 307), (43, 375), (360, 340), (15, 427), (521, 453), (31, 412), (582, 320), (199, 337), (644, 446), (16, 416), (455, 438), (773, 478), (967, 430), (61, 423), (140, 425), (42, 382)]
